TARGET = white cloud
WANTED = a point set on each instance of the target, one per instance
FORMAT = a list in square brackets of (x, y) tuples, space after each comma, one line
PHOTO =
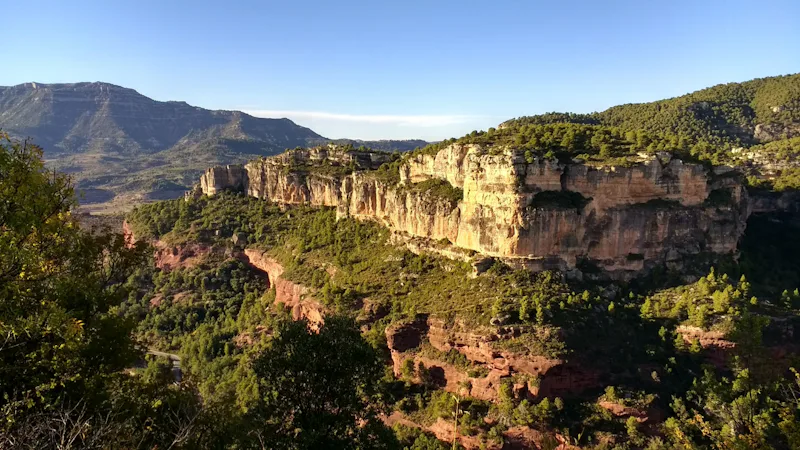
[(385, 119)]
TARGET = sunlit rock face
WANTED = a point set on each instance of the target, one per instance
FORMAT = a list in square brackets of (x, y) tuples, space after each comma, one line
[(538, 214), (292, 295), (217, 179), (542, 376)]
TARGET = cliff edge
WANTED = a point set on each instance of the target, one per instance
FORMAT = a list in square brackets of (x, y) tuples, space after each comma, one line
[(538, 213)]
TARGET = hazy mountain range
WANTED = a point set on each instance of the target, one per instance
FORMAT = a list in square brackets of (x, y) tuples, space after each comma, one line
[(124, 147)]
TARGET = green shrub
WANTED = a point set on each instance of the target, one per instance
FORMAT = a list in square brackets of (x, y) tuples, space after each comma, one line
[(439, 189)]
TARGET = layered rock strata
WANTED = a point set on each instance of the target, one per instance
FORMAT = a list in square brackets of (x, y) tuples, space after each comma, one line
[(539, 214), (291, 295), (533, 376)]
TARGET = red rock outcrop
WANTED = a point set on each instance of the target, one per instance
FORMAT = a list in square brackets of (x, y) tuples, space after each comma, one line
[(620, 410), (127, 234), (516, 438), (168, 257), (716, 348), (539, 376), (293, 295)]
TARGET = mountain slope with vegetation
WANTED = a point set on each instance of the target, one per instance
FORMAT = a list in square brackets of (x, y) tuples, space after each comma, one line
[(101, 117), (736, 124), (692, 356), (298, 328), (734, 114), (73, 375), (117, 142)]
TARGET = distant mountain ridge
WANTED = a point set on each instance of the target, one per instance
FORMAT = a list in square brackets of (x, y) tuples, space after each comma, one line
[(116, 140)]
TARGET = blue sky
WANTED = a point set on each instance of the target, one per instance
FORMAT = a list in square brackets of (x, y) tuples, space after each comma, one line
[(401, 69)]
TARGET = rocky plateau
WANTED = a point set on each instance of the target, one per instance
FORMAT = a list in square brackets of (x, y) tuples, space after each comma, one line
[(541, 214)]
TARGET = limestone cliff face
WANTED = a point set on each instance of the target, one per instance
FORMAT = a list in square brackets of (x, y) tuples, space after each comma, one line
[(620, 228), (540, 214), (218, 179)]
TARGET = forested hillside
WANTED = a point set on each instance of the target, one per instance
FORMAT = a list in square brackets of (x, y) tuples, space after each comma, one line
[(699, 355), (73, 373), (648, 342)]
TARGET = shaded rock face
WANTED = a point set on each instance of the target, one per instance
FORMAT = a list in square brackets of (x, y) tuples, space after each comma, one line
[(401, 337), (771, 202), (539, 215)]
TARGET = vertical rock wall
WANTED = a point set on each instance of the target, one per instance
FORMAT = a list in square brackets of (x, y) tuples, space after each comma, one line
[(216, 179), (654, 211)]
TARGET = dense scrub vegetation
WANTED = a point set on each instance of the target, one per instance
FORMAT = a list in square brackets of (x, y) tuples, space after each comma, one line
[(64, 346), (309, 240), (778, 160), (439, 190), (605, 328), (70, 300), (591, 143)]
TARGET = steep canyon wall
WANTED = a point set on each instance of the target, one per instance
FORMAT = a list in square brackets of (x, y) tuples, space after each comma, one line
[(540, 214)]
